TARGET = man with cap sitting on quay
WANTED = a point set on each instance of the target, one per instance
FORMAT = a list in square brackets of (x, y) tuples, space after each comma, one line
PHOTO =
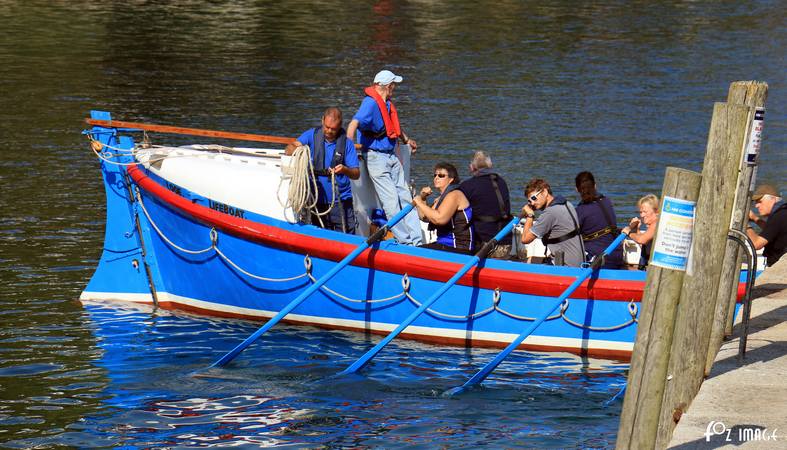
[(772, 222), (378, 124)]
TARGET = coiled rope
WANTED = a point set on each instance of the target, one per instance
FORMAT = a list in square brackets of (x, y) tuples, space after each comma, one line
[(302, 194)]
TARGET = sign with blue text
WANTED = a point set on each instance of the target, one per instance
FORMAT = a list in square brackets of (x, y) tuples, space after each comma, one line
[(674, 233)]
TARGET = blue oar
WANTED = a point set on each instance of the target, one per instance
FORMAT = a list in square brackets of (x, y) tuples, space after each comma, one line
[(378, 235), (492, 365), (363, 360)]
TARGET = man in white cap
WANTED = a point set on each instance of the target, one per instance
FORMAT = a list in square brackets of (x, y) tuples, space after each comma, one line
[(379, 130), (772, 222)]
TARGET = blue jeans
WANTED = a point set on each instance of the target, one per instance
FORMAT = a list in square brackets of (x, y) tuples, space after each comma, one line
[(387, 175)]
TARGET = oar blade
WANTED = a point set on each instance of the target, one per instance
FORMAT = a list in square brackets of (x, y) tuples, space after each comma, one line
[(492, 365), (363, 360), (232, 354)]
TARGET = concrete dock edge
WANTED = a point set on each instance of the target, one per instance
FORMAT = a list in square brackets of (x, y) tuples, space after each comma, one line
[(743, 404)]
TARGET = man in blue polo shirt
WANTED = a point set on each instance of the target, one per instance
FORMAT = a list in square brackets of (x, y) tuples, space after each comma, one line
[(332, 152), (378, 125)]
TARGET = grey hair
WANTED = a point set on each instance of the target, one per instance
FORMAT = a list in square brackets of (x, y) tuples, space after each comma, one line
[(481, 160)]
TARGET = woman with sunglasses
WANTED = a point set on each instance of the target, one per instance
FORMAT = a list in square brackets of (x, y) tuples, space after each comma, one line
[(450, 215)]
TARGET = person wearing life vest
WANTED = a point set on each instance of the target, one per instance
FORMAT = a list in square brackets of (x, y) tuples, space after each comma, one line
[(556, 226), (489, 199), (597, 221), (332, 153), (772, 222), (379, 131), (450, 215)]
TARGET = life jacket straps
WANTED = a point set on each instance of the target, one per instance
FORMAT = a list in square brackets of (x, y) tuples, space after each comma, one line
[(610, 228), (319, 152), (504, 216), (571, 234)]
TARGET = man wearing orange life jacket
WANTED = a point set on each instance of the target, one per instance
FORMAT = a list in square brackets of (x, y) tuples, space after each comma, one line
[(377, 123)]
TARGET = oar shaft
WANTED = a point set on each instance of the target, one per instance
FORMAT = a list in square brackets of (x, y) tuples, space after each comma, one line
[(309, 291), (492, 365), (363, 360), (290, 306)]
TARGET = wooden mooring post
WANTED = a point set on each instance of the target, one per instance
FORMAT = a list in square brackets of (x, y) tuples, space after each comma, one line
[(648, 372), (754, 94), (693, 322), (668, 363)]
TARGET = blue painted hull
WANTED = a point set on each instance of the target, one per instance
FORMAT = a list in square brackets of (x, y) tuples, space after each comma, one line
[(181, 250)]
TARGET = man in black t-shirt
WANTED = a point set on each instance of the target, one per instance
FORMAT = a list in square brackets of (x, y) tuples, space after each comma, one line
[(772, 222)]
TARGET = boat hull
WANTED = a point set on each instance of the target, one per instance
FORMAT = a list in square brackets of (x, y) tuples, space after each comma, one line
[(180, 249)]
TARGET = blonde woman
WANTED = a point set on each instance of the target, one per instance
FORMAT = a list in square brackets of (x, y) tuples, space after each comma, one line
[(649, 217)]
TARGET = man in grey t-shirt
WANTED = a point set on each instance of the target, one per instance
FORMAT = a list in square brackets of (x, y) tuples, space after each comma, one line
[(556, 225)]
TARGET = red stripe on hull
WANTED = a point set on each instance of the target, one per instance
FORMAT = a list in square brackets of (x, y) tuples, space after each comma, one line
[(416, 266)]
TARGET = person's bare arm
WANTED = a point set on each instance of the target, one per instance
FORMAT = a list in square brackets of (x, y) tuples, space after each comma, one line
[(443, 214), (758, 241), (352, 173), (290, 148), (352, 127), (529, 215)]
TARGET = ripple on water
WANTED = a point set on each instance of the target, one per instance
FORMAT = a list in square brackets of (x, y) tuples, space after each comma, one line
[(29, 369)]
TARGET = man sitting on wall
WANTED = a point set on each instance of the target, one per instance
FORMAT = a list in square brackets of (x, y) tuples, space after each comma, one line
[(772, 222)]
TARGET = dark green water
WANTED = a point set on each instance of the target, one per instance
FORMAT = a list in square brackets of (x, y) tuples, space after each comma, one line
[(619, 88)]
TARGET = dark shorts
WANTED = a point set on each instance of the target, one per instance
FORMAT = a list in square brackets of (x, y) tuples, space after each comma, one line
[(333, 220), (439, 246)]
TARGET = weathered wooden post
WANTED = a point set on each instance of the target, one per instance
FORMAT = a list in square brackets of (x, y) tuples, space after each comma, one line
[(749, 93), (694, 318), (648, 371)]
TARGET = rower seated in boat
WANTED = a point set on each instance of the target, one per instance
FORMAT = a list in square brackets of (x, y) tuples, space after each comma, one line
[(450, 215), (556, 225)]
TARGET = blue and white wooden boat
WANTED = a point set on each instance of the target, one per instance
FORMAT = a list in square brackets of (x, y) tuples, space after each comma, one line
[(203, 229)]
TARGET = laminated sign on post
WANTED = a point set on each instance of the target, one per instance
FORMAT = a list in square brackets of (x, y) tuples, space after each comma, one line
[(676, 227)]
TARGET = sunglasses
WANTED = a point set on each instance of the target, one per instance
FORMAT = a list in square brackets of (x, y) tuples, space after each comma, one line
[(441, 175), (534, 197)]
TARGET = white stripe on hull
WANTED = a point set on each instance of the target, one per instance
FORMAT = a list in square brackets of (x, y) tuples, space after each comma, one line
[(506, 338)]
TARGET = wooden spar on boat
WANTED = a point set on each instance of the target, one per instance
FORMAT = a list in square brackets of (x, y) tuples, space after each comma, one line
[(193, 131)]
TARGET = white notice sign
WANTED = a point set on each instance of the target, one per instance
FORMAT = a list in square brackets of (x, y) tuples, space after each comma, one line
[(673, 239)]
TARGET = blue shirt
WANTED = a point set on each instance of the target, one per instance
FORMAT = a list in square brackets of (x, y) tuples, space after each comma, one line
[(370, 119), (342, 181)]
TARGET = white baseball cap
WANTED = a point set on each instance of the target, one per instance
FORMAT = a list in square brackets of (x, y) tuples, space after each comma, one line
[(386, 77)]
